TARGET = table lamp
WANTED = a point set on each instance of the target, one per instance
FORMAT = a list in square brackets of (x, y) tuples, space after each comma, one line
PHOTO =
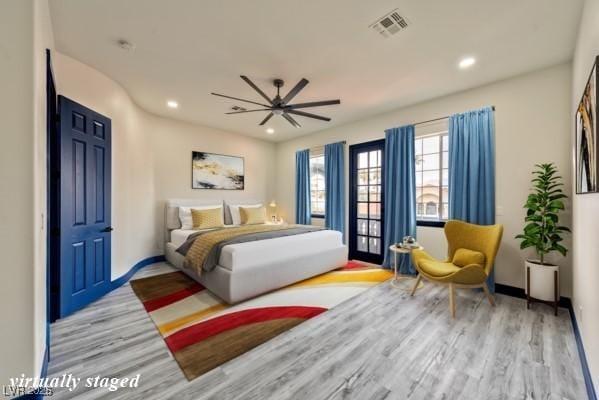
[(273, 206)]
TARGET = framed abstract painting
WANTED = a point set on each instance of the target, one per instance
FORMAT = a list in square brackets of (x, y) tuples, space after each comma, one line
[(587, 160), (216, 171)]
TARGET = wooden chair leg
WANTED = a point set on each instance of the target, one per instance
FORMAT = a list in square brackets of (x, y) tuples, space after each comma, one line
[(452, 300), (418, 279), (489, 295)]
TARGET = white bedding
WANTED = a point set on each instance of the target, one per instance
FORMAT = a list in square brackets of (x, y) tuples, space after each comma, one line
[(179, 236), (247, 255)]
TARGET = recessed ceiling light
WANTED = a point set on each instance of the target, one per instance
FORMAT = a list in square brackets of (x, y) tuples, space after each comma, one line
[(270, 131), (467, 62), (172, 104)]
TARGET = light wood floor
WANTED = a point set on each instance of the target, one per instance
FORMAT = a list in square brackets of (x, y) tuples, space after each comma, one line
[(379, 345)]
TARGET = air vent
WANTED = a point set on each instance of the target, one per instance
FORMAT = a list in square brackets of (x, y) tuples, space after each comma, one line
[(390, 24), (238, 108)]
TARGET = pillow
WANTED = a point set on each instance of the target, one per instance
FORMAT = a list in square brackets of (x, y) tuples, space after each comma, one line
[(236, 216), (252, 215), (463, 257), (185, 214), (207, 218)]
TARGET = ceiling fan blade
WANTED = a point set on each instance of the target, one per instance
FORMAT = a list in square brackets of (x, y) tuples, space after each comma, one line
[(296, 89), (314, 104), (256, 88), (237, 98), (309, 115), (291, 120), (265, 120), (248, 111)]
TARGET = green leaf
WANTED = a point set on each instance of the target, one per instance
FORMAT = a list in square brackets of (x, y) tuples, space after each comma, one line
[(543, 205), (561, 249)]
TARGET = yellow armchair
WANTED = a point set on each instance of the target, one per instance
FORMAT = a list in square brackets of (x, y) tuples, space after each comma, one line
[(473, 243)]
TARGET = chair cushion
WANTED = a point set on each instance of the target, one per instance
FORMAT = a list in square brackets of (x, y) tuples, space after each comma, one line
[(437, 269), (463, 257)]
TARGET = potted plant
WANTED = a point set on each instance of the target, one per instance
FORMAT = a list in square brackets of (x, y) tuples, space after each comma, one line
[(543, 232)]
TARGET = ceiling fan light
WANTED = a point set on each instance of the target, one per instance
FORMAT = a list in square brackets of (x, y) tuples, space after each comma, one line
[(280, 106)]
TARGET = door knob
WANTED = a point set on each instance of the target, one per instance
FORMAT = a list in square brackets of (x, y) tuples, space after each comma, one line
[(107, 229)]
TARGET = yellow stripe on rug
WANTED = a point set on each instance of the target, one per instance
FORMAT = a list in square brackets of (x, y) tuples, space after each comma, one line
[(179, 322), (376, 276)]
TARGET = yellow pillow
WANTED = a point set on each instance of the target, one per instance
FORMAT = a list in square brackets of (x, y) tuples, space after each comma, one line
[(253, 215), (209, 218), (463, 257)]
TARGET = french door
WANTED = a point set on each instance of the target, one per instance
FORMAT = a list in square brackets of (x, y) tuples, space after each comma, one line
[(366, 202)]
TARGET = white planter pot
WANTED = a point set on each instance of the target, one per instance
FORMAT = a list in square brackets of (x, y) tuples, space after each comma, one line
[(542, 280)]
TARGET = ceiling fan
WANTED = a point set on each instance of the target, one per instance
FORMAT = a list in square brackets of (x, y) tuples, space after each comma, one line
[(280, 105)]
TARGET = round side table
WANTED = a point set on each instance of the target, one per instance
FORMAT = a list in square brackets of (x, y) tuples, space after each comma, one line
[(399, 277)]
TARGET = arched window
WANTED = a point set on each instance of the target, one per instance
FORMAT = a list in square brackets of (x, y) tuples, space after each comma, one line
[(431, 208)]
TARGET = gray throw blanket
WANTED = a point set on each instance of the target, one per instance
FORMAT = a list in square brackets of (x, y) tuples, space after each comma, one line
[(214, 253)]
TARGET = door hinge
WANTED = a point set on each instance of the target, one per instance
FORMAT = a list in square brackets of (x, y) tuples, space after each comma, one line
[(55, 231), (54, 288)]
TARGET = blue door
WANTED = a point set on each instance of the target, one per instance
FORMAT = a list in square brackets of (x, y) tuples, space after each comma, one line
[(85, 168), (366, 204)]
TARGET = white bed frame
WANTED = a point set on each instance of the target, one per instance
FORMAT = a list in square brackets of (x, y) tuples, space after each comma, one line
[(236, 286)]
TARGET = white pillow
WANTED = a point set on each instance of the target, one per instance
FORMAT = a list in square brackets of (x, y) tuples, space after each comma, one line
[(235, 215), (185, 214)]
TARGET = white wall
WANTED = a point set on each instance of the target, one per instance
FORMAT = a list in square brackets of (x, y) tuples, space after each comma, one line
[(586, 207), (25, 33), (16, 173), (151, 161), (532, 125)]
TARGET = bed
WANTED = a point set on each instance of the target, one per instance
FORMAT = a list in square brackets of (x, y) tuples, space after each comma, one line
[(245, 270)]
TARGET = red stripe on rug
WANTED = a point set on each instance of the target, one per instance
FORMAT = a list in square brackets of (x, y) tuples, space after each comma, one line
[(353, 264), (203, 330), (171, 298)]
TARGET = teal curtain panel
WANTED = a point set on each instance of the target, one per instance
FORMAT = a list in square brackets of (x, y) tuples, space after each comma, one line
[(399, 193), (334, 172), (472, 169), (302, 187)]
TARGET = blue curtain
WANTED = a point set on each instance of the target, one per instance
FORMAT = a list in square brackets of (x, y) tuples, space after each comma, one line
[(400, 193), (472, 169), (302, 187), (334, 174)]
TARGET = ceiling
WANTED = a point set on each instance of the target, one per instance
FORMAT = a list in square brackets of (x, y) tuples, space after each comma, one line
[(185, 49)]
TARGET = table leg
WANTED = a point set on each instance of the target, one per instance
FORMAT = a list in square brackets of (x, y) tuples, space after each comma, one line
[(395, 265)]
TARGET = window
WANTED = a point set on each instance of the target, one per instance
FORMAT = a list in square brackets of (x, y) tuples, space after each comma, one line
[(432, 159), (317, 185)]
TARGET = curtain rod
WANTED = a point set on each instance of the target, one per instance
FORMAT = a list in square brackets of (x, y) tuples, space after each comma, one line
[(417, 123), (322, 145), (439, 119)]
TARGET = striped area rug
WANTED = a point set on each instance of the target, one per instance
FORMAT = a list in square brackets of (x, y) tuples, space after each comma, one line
[(203, 332)]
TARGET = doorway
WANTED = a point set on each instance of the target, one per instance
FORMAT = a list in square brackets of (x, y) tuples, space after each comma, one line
[(366, 203), (79, 206)]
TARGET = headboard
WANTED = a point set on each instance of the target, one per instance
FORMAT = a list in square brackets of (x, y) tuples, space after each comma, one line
[(171, 211)]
